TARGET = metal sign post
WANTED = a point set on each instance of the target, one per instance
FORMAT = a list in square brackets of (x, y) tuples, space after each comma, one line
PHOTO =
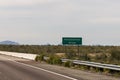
[(78, 50)]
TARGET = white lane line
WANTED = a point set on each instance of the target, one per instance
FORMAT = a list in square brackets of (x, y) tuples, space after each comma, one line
[(46, 70)]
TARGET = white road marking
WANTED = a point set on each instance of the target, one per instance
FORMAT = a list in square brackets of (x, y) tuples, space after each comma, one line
[(45, 70)]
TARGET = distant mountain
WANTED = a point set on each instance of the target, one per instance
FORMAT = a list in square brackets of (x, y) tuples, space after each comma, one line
[(8, 43)]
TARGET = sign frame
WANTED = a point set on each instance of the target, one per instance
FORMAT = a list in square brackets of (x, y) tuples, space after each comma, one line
[(72, 40)]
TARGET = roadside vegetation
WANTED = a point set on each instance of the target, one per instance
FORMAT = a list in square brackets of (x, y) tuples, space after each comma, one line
[(103, 54), (54, 53)]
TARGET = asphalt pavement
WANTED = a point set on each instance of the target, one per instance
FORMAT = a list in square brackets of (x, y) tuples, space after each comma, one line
[(12, 70)]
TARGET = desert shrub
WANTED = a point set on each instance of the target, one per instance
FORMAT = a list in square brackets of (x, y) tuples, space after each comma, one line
[(54, 60), (39, 58), (68, 64), (115, 54), (106, 71)]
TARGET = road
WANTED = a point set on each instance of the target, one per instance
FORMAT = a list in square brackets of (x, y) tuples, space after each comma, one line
[(12, 70)]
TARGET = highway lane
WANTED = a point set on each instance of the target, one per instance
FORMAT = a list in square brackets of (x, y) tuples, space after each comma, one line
[(11, 70)]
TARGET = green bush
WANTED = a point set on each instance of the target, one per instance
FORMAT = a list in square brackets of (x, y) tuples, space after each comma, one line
[(106, 71), (98, 69), (57, 61), (50, 60), (54, 60), (39, 58), (115, 54), (83, 67), (67, 64)]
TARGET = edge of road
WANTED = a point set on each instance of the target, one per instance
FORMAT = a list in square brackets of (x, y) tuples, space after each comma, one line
[(44, 70), (31, 57)]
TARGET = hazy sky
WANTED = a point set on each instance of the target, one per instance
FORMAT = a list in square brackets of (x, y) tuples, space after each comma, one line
[(47, 21)]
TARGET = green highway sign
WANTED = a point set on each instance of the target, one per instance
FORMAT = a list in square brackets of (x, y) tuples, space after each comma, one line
[(72, 41)]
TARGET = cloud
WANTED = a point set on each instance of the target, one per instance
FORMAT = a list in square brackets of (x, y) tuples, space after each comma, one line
[(15, 2), (64, 11), (23, 2), (50, 19), (105, 20)]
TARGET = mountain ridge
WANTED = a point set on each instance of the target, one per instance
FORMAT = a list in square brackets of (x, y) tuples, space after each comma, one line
[(8, 42)]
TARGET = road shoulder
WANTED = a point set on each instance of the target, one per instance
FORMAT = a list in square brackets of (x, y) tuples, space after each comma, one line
[(81, 75)]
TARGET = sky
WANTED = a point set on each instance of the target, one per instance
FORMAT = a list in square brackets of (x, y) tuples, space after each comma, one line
[(41, 22)]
